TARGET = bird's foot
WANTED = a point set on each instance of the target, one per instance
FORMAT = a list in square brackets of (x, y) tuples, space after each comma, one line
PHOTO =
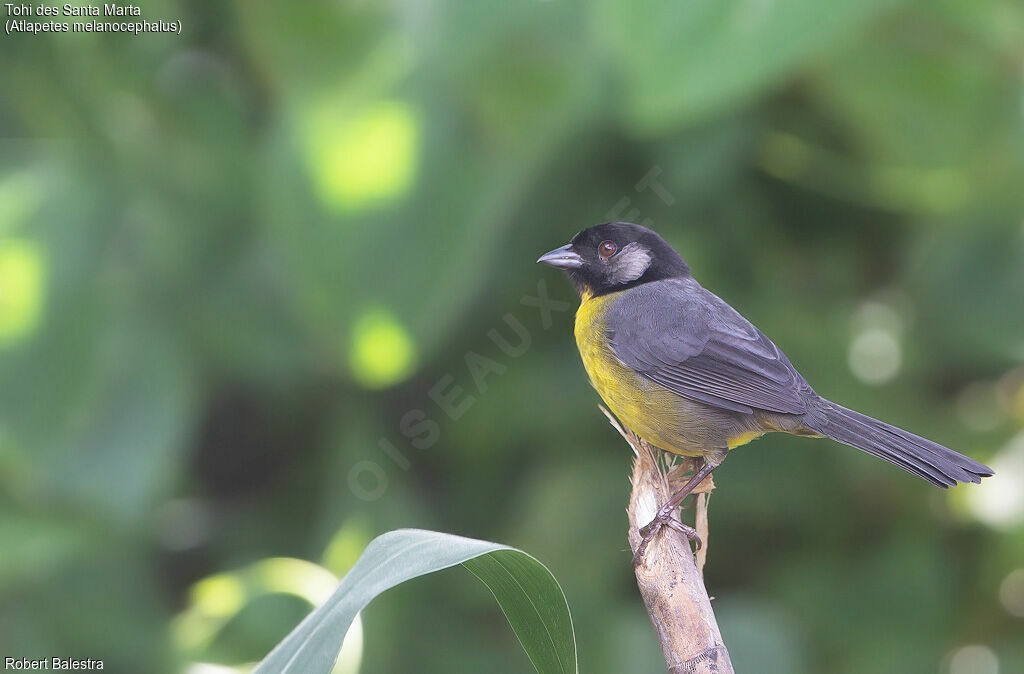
[(664, 518)]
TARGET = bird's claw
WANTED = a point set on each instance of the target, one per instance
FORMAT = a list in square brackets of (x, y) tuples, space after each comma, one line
[(650, 530)]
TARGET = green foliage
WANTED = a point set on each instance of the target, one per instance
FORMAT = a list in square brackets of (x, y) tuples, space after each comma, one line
[(527, 592), (689, 60), (247, 274)]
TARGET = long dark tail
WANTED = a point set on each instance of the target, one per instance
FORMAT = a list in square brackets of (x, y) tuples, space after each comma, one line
[(928, 460)]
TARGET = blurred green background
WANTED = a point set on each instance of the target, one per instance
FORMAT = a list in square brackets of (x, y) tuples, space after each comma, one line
[(242, 270)]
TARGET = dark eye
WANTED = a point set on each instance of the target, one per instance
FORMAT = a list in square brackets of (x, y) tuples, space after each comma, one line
[(607, 249)]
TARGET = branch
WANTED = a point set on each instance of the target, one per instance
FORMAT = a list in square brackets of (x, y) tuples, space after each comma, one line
[(668, 577)]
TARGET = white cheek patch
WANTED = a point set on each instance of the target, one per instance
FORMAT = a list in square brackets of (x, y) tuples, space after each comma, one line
[(630, 264)]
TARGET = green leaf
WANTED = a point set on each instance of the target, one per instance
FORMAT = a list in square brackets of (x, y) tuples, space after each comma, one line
[(529, 595)]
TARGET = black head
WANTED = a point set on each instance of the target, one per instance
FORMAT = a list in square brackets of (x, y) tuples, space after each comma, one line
[(615, 256)]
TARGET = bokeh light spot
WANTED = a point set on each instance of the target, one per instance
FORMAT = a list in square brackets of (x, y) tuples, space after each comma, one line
[(21, 288), (358, 160), (382, 351), (999, 500), (1011, 593), (220, 595), (875, 356), (346, 546), (878, 314), (974, 659), (210, 668), (294, 576), (351, 655)]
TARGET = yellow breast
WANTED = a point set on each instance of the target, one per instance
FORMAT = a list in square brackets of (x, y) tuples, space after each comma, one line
[(653, 412), (666, 420)]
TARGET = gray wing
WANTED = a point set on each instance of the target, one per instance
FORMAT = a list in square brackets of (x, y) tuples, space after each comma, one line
[(687, 339)]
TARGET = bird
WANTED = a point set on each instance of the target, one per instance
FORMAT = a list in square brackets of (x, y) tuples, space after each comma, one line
[(687, 373)]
